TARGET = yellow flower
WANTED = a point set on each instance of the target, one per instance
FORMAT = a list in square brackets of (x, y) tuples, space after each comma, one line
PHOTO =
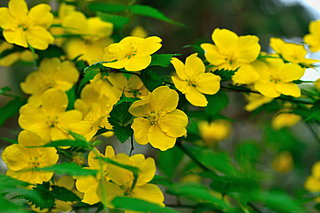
[(313, 39), (283, 162), (215, 131), (255, 101), (291, 52), (51, 74), (19, 158), (231, 51), (131, 53), (50, 120), (277, 79), (193, 81), (158, 121), (312, 183), (95, 108), (91, 186), (285, 120), (139, 31), (23, 27), (11, 58), (125, 178), (135, 88)]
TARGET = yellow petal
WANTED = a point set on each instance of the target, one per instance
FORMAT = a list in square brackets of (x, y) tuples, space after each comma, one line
[(248, 49), (13, 157), (141, 108), (246, 74), (208, 83), (212, 54), (267, 89), (54, 101), (179, 67), (149, 192), (140, 128), (174, 123), (16, 36), (290, 72), (194, 66), (196, 98), (164, 99), (99, 28), (181, 85), (75, 23), (137, 63), (224, 39), (6, 19), (160, 140), (28, 138), (288, 89), (40, 15), (147, 168), (150, 45), (18, 8), (39, 37)]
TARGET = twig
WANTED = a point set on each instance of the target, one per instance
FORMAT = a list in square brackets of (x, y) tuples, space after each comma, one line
[(132, 147)]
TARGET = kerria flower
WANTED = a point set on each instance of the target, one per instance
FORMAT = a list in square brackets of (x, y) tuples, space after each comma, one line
[(192, 80), (23, 27), (157, 121)]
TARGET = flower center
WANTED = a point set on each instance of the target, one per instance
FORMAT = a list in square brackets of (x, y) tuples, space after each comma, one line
[(154, 117)]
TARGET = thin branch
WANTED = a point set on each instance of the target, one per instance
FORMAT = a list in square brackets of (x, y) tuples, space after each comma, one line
[(132, 147), (313, 132)]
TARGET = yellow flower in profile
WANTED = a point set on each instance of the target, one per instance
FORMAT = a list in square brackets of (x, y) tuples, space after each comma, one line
[(255, 101), (285, 120), (313, 38), (193, 81), (312, 183), (131, 53), (283, 162), (229, 50), (157, 121), (23, 27), (277, 79), (214, 131), (49, 119), (11, 58), (294, 53), (52, 73), (139, 31), (19, 158)]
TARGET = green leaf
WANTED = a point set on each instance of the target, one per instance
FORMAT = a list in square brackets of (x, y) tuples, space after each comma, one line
[(197, 191), (61, 193), (150, 79), (66, 142), (247, 153), (52, 51), (9, 183), (132, 169), (9, 140), (10, 109), (108, 8), (48, 198), (151, 12), (10, 207), (72, 169), (89, 73), (77, 136), (162, 60), (71, 93), (122, 133), (135, 204), (157, 179), (216, 103), (169, 160), (117, 21), (226, 75), (120, 116)]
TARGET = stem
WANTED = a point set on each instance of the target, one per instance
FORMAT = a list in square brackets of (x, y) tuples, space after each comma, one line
[(187, 152), (313, 132), (132, 147)]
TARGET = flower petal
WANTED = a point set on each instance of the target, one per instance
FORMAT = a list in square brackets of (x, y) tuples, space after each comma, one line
[(16, 36), (40, 15), (179, 67), (174, 123), (39, 37), (196, 98), (140, 127), (163, 99), (194, 66), (208, 83), (138, 62), (18, 8), (158, 139), (267, 89), (288, 89)]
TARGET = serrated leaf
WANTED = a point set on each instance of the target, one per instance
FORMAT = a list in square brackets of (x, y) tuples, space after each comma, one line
[(151, 12), (120, 116), (135, 204), (44, 191), (197, 191), (216, 103), (108, 8), (117, 21), (9, 182), (122, 133), (226, 75), (71, 169), (10, 109), (61, 193), (150, 79), (162, 60)]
